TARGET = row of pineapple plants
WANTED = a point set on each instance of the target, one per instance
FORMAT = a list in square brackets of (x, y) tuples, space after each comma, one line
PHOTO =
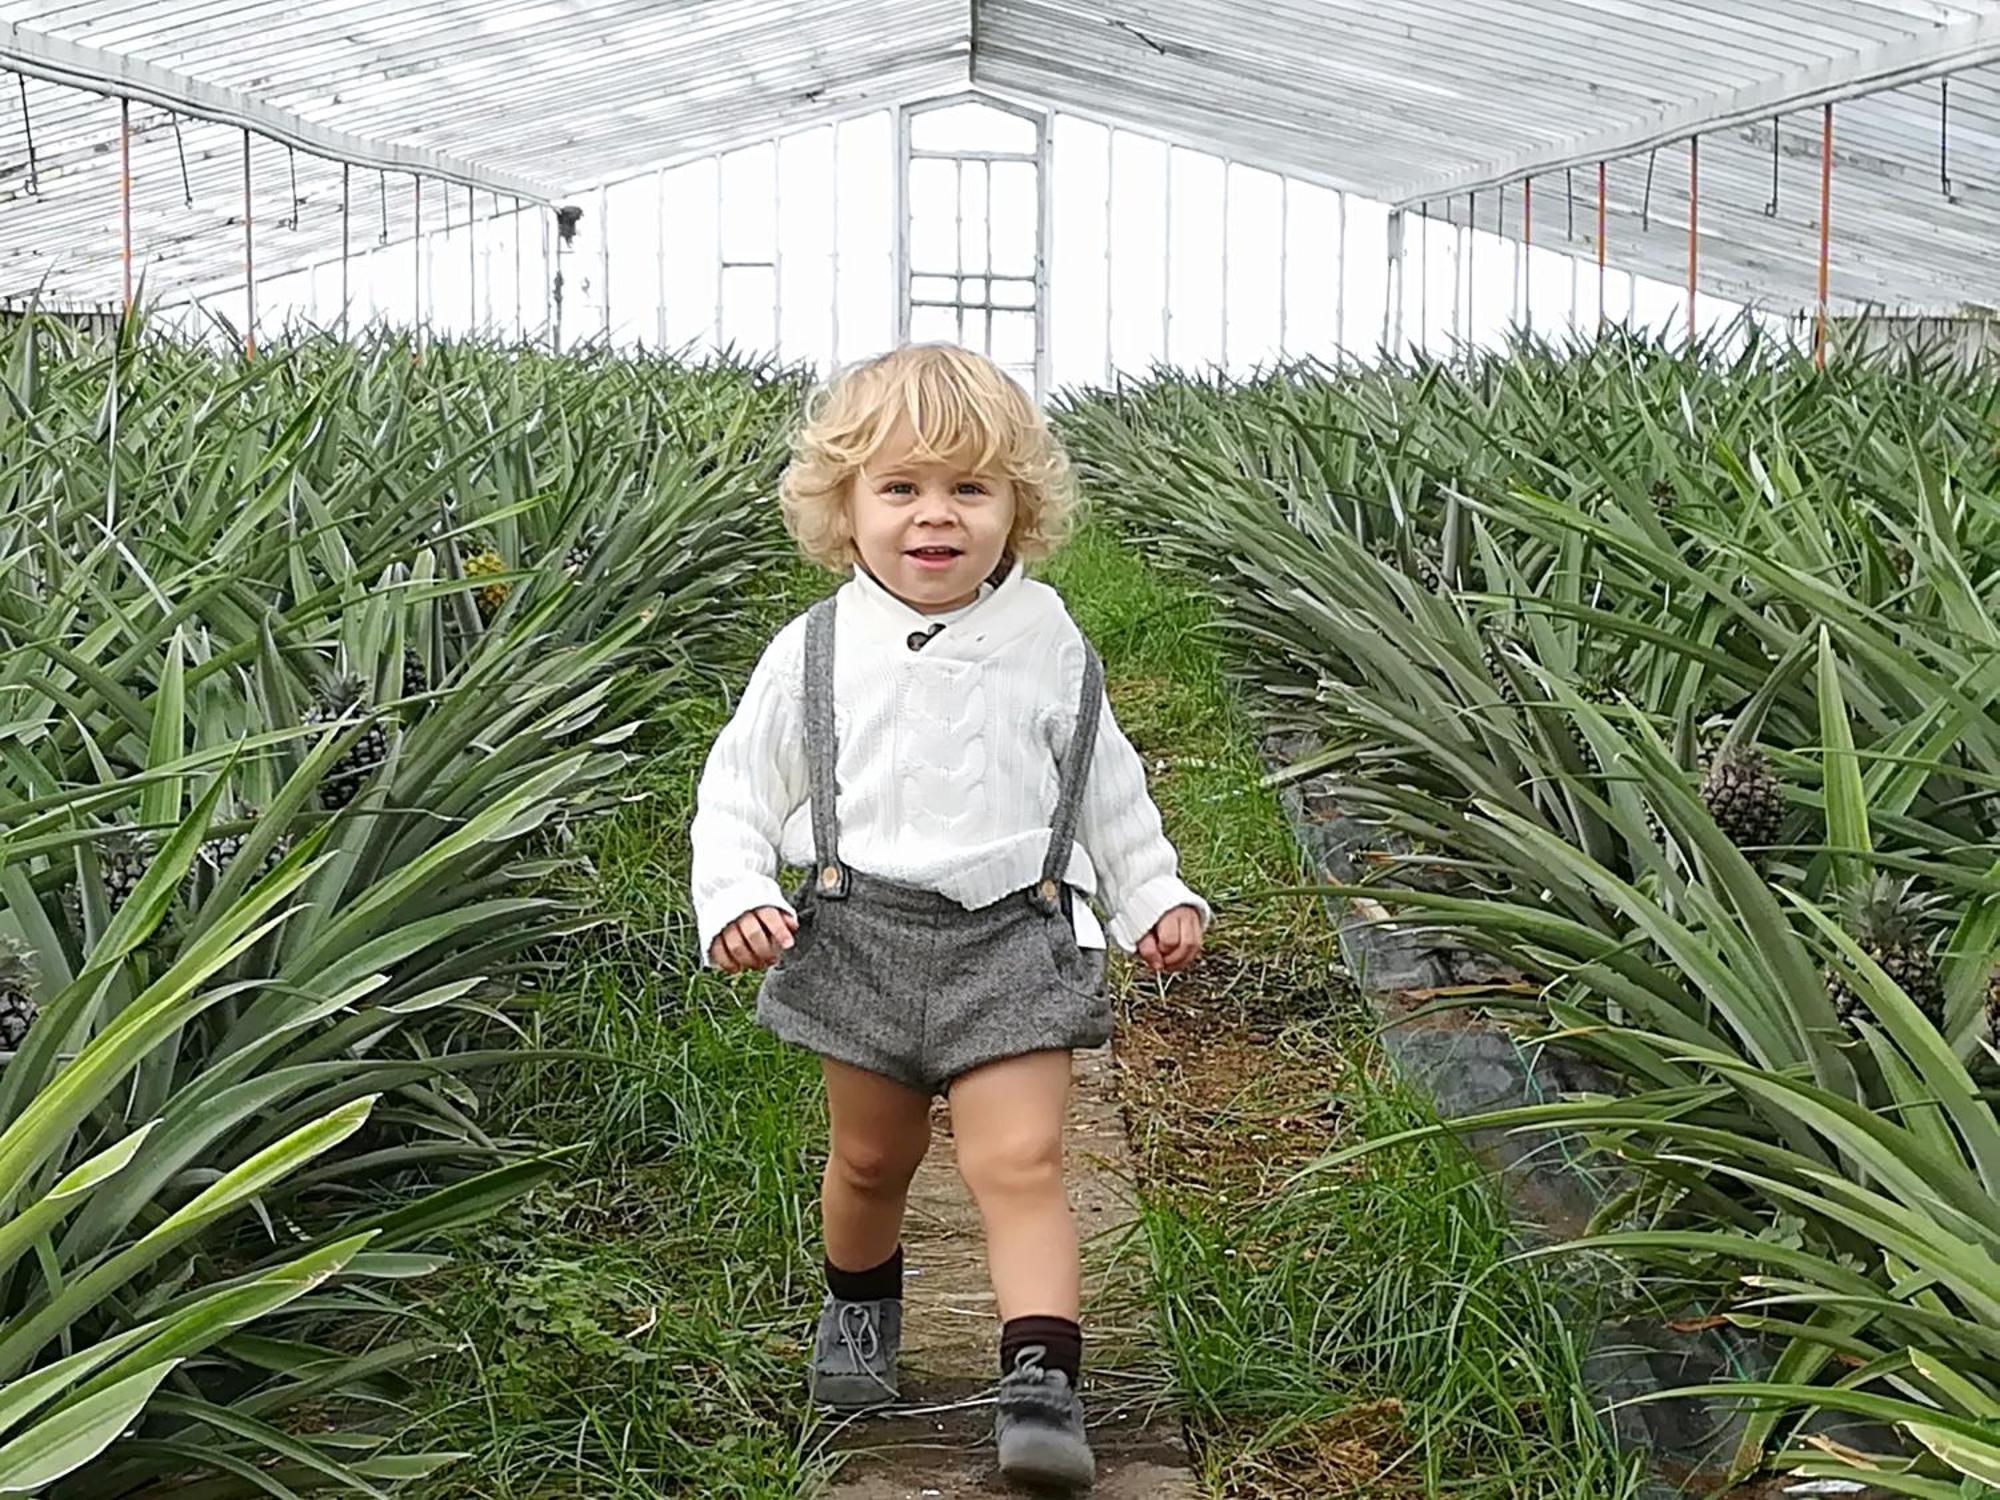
[(309, 663), (1672, 683)]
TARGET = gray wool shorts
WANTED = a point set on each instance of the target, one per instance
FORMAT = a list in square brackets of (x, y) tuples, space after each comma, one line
[(909, 984)]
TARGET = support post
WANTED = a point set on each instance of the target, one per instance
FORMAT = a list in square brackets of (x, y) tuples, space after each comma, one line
[(1527, 252), (1392, 330), (125, 195), (1601, 316), (249, 263), (1694, 219), (346, 240), (1825, 232), (471, 261)]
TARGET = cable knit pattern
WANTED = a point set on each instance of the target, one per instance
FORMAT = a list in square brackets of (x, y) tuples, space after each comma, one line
[(947, 767)]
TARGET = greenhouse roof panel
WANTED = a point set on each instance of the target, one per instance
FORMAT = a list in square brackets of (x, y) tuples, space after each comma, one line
[(1397, 100)]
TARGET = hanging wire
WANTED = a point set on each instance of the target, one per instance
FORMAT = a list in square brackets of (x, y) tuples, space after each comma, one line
[(180, 147), (382, 181), (1944, 139), (28, 125), (1646, 203), (1569, 198), (292, 160)]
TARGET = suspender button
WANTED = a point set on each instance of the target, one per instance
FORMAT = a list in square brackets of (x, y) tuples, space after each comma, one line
[(1048, 890), (830, 877)]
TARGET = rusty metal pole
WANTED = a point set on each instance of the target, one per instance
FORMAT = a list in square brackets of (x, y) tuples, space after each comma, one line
[(1825, 232), (249, 262), (1694, 215), (1600, 248), (125, 192), (1527, 256), (346, 222)]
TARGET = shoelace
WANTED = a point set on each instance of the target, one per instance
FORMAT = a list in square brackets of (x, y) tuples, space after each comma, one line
[(861, 1337)]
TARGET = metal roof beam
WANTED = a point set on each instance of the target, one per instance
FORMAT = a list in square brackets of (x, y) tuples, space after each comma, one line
[(1947, 49), (55, 60)]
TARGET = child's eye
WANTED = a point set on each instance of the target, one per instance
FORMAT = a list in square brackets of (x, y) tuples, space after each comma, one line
[(899, 487), (972, 487)]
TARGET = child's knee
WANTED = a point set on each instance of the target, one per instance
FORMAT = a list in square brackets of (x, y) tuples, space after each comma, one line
[(876, 1166), (1012, 1164)]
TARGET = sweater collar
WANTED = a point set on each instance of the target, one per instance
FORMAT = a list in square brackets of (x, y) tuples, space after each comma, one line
[(886, 619)]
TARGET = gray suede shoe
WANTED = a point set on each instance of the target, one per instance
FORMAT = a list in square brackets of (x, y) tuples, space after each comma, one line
[(1038, 1424), (854, 1352)]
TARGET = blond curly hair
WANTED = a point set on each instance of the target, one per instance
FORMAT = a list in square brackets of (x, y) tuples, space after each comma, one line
[(963, 409)]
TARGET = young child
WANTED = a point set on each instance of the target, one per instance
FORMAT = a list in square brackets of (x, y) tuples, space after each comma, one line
[(934, 743)]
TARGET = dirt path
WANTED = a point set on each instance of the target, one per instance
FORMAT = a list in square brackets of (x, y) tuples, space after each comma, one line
[(938, 1444)]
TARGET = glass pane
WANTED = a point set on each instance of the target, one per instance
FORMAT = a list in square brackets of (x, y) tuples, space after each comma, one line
[(805, 243), (972, 216), (933, 216), (1014, 338), (1014, 293), (866, 289), (1255, 212), (748, 320), (971, 127), (972, 289), (934, 288), (691, 255), (749, 186), (975, 331), (1077, 290), (931, 325), (1014, 218)]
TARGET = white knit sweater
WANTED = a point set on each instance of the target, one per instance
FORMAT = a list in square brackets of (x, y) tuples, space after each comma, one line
[(948, 767)]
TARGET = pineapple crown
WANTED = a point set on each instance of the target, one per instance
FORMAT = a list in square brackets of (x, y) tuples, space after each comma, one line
[(15, 960), (1886, 911), (339, 694)]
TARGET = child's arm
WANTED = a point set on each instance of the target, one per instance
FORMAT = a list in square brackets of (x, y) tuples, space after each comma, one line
[(1119, 827), (755, 776)]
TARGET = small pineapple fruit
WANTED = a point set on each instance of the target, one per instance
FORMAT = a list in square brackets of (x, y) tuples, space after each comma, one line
[(1895, 928), (17, 998), (123, 858), (343, 778), (415, 678), (218, 853), (1745, 799), (1993, 1007), (1493, 644), (580, 552), (484, 564)]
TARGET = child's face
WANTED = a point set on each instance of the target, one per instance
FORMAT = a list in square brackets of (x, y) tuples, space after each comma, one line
[(930, 532)]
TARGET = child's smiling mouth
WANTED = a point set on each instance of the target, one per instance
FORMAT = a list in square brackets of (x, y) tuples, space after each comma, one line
[(934, 556)]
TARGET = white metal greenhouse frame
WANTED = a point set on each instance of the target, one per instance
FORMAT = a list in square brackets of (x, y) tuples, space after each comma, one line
[(1788, 154)]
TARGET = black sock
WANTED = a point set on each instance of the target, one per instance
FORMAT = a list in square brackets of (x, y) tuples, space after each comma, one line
[(872, 1285), (1060, 1338)]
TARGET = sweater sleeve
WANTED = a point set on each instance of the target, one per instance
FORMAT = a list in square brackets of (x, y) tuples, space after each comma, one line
[(754, 778), (1119, 827)]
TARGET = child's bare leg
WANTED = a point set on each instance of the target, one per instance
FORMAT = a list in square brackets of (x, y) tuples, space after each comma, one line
[(880, 1131), (1007, 1121)]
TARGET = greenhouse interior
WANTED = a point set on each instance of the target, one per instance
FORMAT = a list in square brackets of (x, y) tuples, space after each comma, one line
[(1516, 488)]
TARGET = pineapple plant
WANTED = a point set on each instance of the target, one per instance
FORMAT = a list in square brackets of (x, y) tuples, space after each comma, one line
[(1895, 927), (491, 596), (342, 782), (17, 998), (1493, 643), (580, 552), (416, 679), (1746, 800), (216, 854), (123, 857)]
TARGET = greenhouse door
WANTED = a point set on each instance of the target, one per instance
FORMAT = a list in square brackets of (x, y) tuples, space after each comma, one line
[(971, 263)]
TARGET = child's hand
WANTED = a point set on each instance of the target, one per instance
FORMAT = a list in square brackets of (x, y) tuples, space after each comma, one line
[(1174, 942), (752, 941)]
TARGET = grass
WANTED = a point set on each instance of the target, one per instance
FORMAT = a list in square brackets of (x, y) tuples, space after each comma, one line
[(638, 1329)]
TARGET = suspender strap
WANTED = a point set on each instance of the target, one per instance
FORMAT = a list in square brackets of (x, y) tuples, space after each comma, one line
[(1075, 774), (829, 874)]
